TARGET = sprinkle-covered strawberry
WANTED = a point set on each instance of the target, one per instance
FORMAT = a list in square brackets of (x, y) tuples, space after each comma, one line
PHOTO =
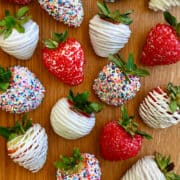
[(157, 167), (162, 44), (109, 31), (121, 139), (163, 5), (19, 1), (20, 90), (64, 58), (118, 81), (161, 108), (79, 166), (73, 117), (26, 144), (19, 35), (69, 12)]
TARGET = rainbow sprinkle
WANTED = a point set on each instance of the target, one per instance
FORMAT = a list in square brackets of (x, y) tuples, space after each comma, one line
[(112, 87), (91, 170), (69, 12), (25, 92)]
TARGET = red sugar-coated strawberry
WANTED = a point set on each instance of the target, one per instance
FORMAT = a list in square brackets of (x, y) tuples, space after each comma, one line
[(64, 58), (121, 139), (162, 46), (20, 1)]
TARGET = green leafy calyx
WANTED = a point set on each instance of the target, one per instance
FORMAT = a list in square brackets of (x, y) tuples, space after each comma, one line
[(70, 164), (174, 94), (14, 22), (18, 129), (5, 78), (130, 126), (128, 68), (114, 17), (172, 21), (56, 39), (81, 104), (166, 166)]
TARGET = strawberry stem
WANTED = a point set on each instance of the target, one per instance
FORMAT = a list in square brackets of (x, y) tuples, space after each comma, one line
[(18, 129), (5, 77), (56, 39), (14, 22), (130, 126), (172, 21), (115, 16), (80, 103), (129, 67), (166, 166), (70, 163), (174, 94)]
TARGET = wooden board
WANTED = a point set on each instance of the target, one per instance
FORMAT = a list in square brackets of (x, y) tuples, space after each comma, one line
[(165, 141)]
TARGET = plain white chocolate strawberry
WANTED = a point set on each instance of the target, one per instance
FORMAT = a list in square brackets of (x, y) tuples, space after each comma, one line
[(69, 12), (163, 5), (20, 42), (73, 117), (108, 35), (29, 150), (69, 124)]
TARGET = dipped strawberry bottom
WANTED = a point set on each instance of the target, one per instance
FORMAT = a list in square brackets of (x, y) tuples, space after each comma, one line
[(88, 170), (30, 149), (25, 91), (69, 123), (74, 117)]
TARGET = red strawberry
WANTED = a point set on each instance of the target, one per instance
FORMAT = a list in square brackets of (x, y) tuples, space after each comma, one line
[(121, 139), (20, 1), (64, 58), (162, 45)]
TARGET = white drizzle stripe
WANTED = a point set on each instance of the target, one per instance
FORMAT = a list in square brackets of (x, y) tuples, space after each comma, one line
[(144, 169), (163, 5), (155, 112), (31, 148), (21, 45), (106, 37), (69, 124)]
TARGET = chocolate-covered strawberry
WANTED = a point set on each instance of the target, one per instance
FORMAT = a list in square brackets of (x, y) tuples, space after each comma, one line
[(121, 140), (163, 5), (162, 46), (80, 166), (118, 81), (26, 144), (69, 12), (157, 167), (20, 90), (73, 117), (64, 57), (19, 35), (109, 31), (161, 107)]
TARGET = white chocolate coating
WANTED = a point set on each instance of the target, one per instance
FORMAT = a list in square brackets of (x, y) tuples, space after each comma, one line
[(163, 5), (155, 112), (29, 150), (144, 169), (21, 45), (70, 124), (106, 37)]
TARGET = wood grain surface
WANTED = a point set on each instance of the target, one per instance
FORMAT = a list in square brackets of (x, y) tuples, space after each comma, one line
[(165, 141)]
